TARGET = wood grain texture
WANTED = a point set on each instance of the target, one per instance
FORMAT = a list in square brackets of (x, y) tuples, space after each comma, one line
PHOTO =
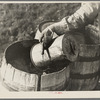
[(18, 80), (55, 81), (18, 75), (84, 75), (16, 72)]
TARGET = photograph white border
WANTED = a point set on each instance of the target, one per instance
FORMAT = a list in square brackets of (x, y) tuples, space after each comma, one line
[(49, 94)]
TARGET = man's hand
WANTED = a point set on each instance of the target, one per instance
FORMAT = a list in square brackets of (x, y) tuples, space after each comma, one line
[(52, 32), (47, 39), (47, 35)]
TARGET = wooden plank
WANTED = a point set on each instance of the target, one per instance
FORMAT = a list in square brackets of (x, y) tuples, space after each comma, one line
[(16, 76), (53, 81), (9, 73), (3, 69)]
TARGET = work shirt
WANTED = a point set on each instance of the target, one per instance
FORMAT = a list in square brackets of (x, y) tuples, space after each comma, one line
[(84, 16)]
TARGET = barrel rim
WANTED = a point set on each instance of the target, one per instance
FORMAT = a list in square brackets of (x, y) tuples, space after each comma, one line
[(5, 51), (17, 42), (19, 70), (55, 72)]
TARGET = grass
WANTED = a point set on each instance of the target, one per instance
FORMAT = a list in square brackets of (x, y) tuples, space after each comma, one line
[(17, 21)]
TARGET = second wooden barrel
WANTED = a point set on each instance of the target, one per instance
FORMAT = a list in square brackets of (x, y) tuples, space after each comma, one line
[(84, 72)]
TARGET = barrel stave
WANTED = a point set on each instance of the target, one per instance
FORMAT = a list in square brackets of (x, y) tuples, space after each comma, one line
[(84, 72)]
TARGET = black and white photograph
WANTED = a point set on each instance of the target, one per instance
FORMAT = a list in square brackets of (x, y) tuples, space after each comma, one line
[(49, 46)]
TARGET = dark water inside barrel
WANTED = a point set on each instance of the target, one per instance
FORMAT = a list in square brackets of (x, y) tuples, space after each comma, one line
[(25, 64)]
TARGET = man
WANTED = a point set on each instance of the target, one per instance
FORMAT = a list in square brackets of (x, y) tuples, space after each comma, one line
[(76, 22)]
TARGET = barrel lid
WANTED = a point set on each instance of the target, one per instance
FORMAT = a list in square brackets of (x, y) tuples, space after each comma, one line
[(41, 27)]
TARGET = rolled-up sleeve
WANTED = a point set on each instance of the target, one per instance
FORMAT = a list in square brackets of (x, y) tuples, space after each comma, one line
[(85, 15)]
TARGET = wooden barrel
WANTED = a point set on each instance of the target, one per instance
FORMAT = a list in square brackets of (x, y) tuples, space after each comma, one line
[(84, 73), (17, 72), (84, 52)]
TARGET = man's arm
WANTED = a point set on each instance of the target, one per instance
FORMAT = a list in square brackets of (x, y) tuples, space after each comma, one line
[(77, 21), (85, 15)]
